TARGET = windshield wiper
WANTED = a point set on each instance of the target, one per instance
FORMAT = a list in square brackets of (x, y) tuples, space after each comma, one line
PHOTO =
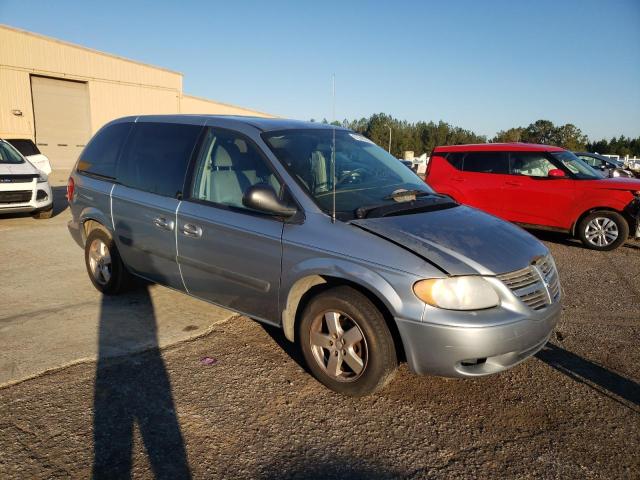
[(436, 201), (409, 193)]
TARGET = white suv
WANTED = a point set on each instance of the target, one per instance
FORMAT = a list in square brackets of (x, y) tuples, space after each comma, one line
[(23, 187)]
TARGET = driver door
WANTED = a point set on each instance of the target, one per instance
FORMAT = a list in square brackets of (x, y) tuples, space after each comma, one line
[(534, 198), (228, 254)]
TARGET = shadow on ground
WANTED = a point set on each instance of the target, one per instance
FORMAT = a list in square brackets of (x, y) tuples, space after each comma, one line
[(134, 390), (566, 240), (591, 374), (311, 465)]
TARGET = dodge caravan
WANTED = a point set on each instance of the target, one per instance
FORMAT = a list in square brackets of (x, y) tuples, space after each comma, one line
[(320, 232)]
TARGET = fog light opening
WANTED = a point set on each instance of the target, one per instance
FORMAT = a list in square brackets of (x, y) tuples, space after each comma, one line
[(473, 361), (41, 195)]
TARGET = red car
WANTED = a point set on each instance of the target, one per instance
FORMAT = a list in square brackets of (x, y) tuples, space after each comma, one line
[(539, 186)]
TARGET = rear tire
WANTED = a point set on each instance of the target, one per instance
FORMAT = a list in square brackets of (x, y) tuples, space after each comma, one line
[(44, 214), (346, 342), (104, 265), (603, 230)]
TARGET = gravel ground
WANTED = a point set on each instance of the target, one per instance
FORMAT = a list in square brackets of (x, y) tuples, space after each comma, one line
[(573, 411)]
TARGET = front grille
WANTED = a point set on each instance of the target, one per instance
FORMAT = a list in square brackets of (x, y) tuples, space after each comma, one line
[(18, 196), (537, 285), (17, 178)]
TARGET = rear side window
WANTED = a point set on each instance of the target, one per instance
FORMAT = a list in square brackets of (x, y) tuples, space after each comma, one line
[(455, 159), (101, 154), (156, 157), (486, 162), (24, 146)]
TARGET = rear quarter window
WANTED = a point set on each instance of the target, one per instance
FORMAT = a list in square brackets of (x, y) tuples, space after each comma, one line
[(486, 162), (100, 156), (156, 157), (454, 158)]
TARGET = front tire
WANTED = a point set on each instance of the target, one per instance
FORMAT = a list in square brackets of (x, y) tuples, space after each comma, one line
[(346, 342), (104, 265), (603, 230)]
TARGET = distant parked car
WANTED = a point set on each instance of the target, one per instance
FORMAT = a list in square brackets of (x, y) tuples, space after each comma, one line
[(540, 186), (609, 166), (23, 187), (345, 249), (30, 151), (407, 163)]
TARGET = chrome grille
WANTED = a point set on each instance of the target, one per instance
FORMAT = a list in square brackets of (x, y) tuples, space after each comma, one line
[(537, 285)]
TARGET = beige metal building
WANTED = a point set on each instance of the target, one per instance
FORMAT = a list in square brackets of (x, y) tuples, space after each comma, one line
[(59, 94)]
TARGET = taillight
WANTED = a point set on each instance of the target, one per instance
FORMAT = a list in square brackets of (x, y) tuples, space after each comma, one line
[(71, 186)]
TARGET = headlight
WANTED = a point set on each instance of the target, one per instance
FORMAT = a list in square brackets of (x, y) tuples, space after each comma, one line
[(457, 293), (42, 177)]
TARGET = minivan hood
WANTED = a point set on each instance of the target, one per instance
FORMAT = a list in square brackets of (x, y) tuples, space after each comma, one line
[(17, 168), (460, 240)]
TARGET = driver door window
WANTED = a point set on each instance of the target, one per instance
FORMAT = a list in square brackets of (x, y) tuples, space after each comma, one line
[(531, 164), (227, 166)]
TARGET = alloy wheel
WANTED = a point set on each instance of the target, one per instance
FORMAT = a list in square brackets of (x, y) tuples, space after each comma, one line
[(601, 231), (338, 346), (100, 261)]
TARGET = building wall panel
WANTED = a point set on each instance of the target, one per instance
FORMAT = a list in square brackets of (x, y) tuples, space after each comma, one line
[(189, 104)]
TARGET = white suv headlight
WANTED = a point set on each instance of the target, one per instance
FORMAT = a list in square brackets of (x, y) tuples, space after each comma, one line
[(457, 293), (42, 177)]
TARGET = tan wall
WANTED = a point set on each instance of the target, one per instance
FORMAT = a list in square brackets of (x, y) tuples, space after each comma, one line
[(117, 86), (189, 104)]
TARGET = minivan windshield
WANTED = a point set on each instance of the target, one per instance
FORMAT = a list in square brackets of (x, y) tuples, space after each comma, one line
[(365, 174), (576, 166), (9, 155)]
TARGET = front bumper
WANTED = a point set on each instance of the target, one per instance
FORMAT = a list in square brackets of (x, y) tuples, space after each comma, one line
[(40, 197), (464, 351)]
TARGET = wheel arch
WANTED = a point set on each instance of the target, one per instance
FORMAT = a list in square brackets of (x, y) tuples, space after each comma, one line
[(597, 209), (306, 288)]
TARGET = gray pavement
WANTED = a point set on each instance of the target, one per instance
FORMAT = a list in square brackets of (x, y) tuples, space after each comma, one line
[(50, 311)]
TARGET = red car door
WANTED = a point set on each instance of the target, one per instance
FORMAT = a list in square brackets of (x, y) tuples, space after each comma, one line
[(535, 198), (482, 180)]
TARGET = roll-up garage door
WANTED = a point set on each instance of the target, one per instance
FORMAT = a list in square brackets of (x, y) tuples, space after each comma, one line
[(62, 121)]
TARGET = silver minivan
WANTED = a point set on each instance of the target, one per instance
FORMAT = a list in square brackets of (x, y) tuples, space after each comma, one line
[(318, 231)]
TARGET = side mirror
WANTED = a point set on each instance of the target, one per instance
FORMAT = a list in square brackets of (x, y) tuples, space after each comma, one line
[(556, 173), (263, 198)]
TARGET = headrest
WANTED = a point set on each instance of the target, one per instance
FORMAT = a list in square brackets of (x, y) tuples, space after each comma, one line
[(221, 157)]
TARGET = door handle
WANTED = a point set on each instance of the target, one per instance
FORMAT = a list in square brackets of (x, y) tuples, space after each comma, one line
[(191, 230), (513, 184), (163, 223), (457, 179)]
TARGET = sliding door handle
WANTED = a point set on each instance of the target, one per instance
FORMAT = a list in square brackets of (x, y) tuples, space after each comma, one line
[(163, 223), (191, 230)]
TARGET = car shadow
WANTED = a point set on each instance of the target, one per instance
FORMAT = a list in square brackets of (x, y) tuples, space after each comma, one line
[(133, 390), (60, 203), (332, 465), (606, 382), (290, 348)]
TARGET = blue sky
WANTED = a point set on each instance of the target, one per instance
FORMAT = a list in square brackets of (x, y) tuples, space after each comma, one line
[(482, 65)]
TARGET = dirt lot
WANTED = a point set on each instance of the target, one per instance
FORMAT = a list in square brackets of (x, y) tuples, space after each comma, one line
[(573, 411)]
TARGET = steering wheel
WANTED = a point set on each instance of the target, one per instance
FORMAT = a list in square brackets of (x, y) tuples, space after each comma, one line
[(351, 177)]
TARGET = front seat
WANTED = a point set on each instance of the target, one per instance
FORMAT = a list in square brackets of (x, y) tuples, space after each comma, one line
[(228, 183)]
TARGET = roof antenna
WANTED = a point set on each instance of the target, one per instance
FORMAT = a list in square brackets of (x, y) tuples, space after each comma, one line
[(333, 148)]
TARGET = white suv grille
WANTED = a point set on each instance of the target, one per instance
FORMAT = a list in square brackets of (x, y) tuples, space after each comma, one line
[(537, 285)]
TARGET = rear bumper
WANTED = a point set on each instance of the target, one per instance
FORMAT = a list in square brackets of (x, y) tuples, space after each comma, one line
[(76, 232), (454, 351)]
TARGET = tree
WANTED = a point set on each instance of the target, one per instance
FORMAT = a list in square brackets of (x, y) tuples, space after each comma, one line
[(540, 131), (570, 137), (506, 136)]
